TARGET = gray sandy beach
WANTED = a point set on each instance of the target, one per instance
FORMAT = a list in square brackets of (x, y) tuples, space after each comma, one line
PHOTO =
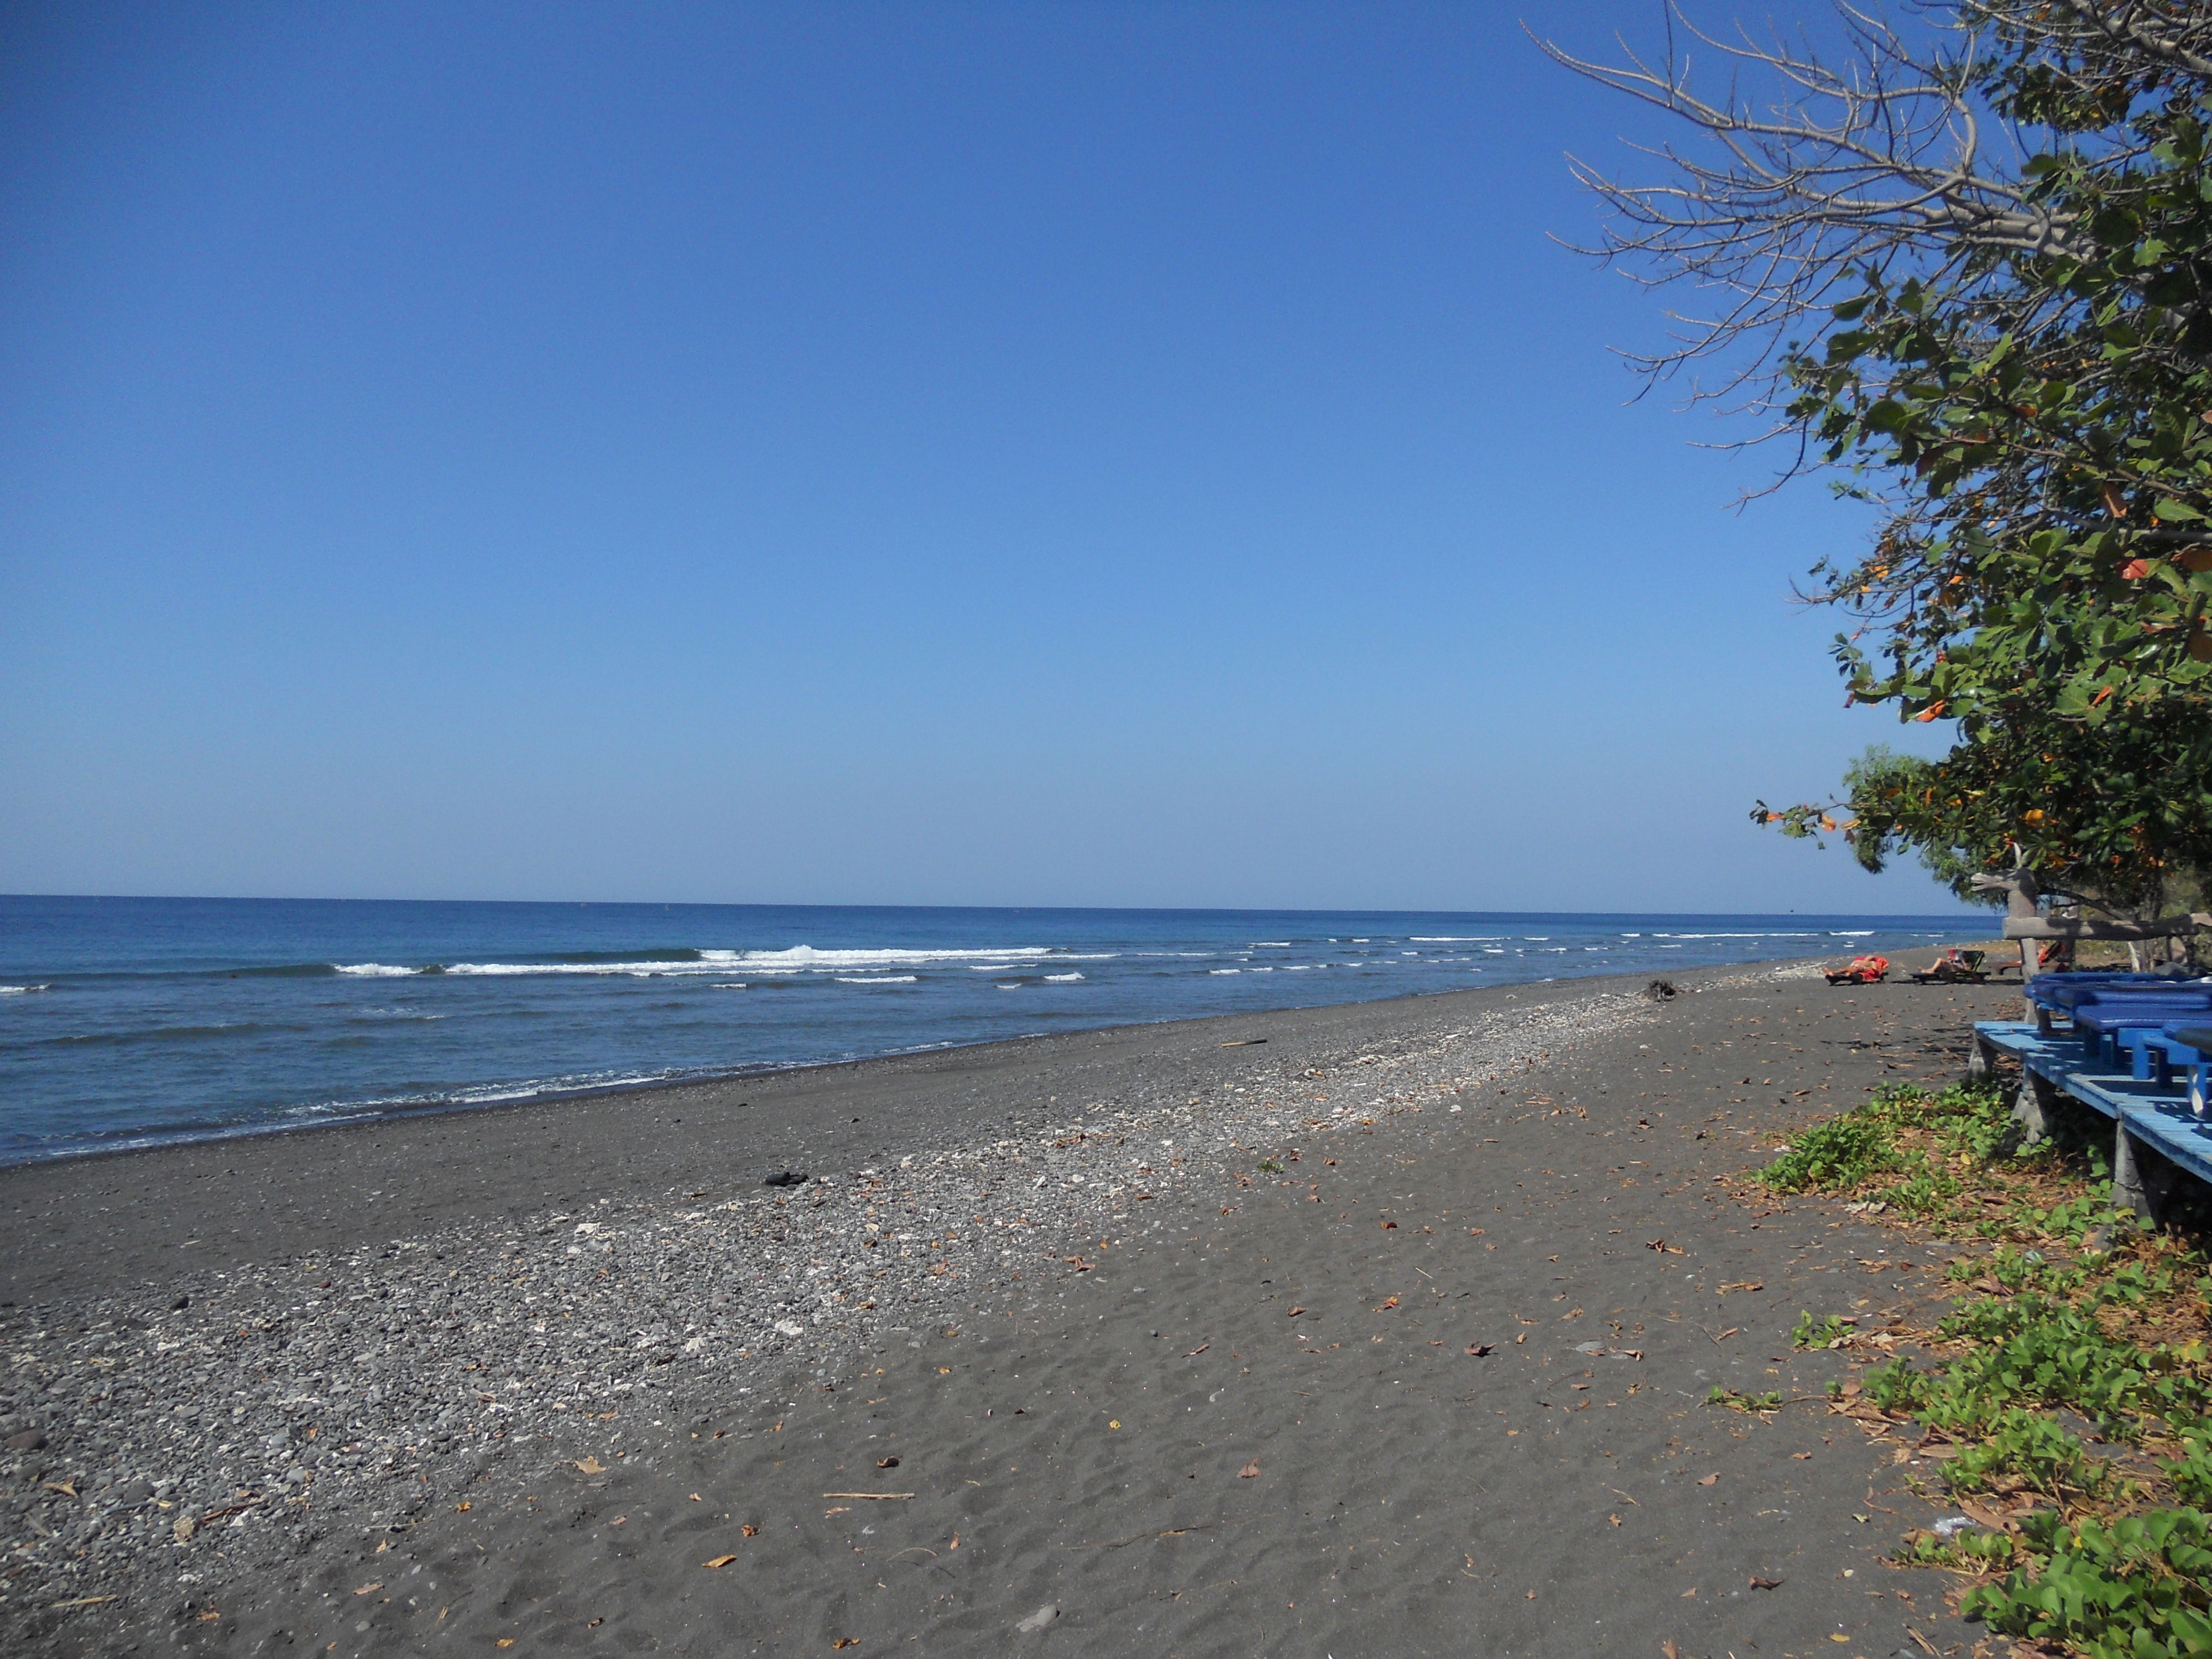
[(1379, 1329)]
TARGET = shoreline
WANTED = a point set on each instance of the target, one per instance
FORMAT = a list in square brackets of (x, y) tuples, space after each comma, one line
[(129, 1066), (437, 1151), (708, 1077), (336, 1397)]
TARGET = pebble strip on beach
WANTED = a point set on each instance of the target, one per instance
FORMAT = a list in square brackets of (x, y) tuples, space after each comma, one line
[(157, 1449)]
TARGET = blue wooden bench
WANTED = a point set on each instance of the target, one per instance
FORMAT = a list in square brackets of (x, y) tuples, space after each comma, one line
[(2084, 1065)]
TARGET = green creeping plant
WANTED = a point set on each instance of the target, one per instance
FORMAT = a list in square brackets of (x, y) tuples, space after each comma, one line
[(1744, 1402), (1811, 1332), (2136, 1588), (1834, 1156)]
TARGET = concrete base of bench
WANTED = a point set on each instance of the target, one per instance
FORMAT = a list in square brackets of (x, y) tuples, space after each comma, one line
[(2032, 1106), (2142, 1180)]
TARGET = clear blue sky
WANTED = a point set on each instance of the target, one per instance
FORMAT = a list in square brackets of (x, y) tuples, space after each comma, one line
[(1020, 453)]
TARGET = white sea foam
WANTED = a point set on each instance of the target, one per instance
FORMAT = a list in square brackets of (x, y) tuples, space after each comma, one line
[(1271, 944), (880, 979), (1061, 979), (1777, 935), (726, 985), (21, 990), (801, 958), (1452, 938), (1224, 970), (806, 956)]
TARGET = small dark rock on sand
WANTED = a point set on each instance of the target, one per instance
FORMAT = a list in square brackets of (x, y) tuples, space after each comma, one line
[(1661, 990), (786, 1178)]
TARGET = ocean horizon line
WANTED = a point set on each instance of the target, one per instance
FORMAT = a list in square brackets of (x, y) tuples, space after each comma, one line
[(1963, 914)]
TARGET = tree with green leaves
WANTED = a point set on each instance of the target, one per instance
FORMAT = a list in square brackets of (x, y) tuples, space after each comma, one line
[(2098, 812), (1967, 268)]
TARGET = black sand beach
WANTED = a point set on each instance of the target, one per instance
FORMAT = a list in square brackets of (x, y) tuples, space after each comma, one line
[(1387, 1334)]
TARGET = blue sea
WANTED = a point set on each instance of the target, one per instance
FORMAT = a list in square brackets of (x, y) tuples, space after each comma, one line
[(128, 1021)]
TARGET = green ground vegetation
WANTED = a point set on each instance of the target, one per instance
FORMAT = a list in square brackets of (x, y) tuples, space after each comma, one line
[(1753, 1404), (2066, 1398)]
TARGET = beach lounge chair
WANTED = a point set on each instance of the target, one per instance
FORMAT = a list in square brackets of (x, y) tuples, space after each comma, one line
[(1953, 967), (1862, 970)]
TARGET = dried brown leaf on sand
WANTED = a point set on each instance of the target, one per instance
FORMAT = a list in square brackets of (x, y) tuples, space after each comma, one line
[(719, 1561), (590, 1466), (1250, 1470), (1476, 1350), (1707, 1480), (1765, 1583)]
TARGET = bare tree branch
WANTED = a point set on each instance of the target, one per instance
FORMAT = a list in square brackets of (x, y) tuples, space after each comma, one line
[(1842, 170), (2180, 35)]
